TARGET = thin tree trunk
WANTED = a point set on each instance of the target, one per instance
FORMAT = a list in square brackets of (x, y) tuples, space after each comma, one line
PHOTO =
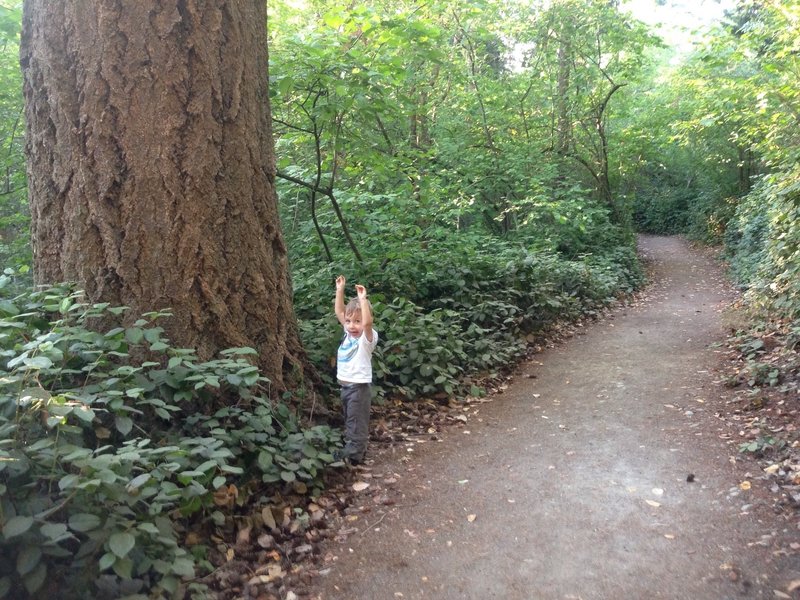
[(563, 126)]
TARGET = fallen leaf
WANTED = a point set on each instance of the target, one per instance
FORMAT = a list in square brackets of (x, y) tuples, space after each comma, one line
[(268, 517), (471, 518), (317, 516), (360, 486), (226, 496), (266, 541), (275, 572), (793, 586), (745, 485), (243, 536)]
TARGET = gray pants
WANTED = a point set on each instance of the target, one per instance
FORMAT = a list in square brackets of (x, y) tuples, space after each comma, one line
[(356, 398)]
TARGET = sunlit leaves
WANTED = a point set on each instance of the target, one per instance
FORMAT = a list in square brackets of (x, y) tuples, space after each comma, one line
[(13, 201)]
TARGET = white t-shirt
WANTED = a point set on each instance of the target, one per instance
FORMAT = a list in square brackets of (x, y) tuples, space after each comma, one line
[(354, 359)]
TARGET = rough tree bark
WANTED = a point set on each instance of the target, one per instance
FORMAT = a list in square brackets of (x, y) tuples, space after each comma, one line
[(151, 167)]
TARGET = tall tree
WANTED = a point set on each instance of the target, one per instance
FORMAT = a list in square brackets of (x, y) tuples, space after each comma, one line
[(151, 167), (597, 50)]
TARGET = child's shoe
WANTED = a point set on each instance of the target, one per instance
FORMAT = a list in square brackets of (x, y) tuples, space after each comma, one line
[(340, 456)]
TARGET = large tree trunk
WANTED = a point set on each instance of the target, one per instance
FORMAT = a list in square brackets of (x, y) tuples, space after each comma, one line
[(151, 167)]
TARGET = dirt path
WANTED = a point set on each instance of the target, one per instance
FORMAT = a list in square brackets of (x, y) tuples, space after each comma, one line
[(597, 474)]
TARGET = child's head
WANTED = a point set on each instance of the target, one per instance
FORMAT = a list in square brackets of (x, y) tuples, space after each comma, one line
[(352, 318), (353, 308)]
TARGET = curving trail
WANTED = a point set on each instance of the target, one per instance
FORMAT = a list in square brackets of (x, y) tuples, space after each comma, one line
[(572, 484)]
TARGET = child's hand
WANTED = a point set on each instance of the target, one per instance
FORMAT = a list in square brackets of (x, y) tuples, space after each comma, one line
[(361, 292), (340, 281)]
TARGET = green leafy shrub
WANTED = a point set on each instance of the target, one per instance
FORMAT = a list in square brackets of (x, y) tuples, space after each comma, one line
[(102, 456), (763, 244), (662, 210), (745, 238), (421, 353), (708, 216), (463, 306), (763, 445), (568, 222)]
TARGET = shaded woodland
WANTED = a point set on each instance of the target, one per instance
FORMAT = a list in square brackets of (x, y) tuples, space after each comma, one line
[(176, 200)]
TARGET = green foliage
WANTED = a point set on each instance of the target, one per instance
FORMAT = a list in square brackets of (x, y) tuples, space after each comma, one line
[(756, 373), (746, 236), (14, 217), (464, 307), (763, 445), (423, 353), (570, 222), (436, 142), (442, 117), (720, 159), (763, 242), (102, 455)]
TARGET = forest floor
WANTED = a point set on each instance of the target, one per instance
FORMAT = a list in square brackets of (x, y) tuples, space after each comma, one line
[(606, 467)]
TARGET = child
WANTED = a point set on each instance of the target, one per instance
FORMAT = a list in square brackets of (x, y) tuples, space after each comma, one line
[(354, 369)]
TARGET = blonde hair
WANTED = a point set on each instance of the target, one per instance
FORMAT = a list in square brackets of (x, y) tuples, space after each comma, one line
[(353, 307)]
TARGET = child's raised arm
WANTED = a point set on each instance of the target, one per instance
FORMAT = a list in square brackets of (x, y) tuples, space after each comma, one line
[(338, 302), (366, 311)]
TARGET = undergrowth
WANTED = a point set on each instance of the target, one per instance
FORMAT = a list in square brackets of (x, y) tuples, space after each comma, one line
[(114, 443), (105, 459), (463, 308)]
